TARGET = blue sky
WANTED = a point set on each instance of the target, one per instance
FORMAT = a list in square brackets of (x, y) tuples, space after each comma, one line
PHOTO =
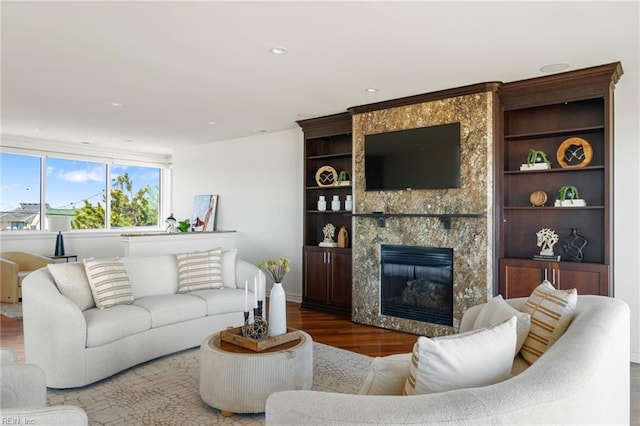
[(68, 182)]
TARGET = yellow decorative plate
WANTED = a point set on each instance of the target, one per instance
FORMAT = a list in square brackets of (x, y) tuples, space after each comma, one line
[(538, 198), (574, 153), (326, 176)]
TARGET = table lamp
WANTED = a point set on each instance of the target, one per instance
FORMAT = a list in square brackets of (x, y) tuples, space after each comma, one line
[(59, 224)]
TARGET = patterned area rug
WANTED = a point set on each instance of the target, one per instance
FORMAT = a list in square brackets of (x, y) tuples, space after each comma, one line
[(11, 310), (166, 391)]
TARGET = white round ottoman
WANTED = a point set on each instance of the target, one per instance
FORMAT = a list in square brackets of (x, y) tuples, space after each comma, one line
[(237, 380)]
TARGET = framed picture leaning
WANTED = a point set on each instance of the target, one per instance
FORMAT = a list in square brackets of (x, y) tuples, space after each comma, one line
[(204, 213)]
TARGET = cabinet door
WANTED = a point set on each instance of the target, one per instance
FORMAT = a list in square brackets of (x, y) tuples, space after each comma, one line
[(519, 277), (587, 278), (316, 280), (340, 270)]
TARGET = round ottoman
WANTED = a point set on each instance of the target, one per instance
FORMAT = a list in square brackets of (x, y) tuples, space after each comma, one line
[(238, 380)]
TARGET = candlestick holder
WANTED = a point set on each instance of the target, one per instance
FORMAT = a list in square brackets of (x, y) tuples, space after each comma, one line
[(260, 303)]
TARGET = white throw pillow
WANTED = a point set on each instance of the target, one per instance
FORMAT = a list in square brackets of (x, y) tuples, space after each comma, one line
[(109, 282), (551, 312), (387, 375), (496, 311), (199, 270), (229, 268), (71, 280), (472, 359)]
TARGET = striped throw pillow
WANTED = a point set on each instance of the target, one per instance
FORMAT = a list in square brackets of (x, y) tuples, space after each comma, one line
[(199, 270), (551, 312), (109, 282)]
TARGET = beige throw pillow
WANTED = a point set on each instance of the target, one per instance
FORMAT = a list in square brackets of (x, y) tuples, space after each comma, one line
[(229, 268), (71, 280), (496, 311), (551, 312), (387, 375), (199, 270), (109, 282), (472, 359)]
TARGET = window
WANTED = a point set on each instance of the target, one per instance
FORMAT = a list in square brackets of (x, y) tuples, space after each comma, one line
[(77, 189), (134, 196), (19, 192)]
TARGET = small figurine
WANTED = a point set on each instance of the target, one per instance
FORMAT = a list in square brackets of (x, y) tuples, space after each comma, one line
[(546, 240), (329, 231), (171, 221)]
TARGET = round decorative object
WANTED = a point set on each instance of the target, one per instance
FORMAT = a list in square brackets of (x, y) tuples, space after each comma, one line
[(574, 153), (326, 176), (538, 198), (258, 329)]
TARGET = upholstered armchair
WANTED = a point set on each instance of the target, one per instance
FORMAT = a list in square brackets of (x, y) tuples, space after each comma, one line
[(14, 266), (23, 398)]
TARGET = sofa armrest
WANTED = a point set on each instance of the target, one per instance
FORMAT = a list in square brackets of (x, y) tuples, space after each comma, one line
[(9, 280), (67, 415), (23, 385), (55, 330), (248, 271)]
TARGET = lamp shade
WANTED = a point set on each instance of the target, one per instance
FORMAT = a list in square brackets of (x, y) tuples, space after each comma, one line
[(59, 223)]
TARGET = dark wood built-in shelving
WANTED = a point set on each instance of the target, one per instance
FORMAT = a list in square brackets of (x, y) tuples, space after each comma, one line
[(326, 284), (540, 114)]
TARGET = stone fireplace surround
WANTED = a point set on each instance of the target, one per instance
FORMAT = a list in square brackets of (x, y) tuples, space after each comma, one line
[(470, 237)]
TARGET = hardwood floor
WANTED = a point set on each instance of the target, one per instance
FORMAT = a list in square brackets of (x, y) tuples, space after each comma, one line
[(324, 328)]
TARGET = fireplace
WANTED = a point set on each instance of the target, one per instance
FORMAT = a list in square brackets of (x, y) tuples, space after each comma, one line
[(416, 283)]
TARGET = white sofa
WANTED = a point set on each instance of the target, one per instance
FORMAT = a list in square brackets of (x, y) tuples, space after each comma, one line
[(581, 379), (76, 348), (23, 398)]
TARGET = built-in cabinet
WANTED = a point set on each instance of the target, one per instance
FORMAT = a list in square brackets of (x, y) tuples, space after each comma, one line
[(542, 114), (326, 270)]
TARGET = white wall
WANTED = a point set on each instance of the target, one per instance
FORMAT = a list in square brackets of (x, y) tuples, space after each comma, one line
[(627, 201), (84, 244), (259, 183)]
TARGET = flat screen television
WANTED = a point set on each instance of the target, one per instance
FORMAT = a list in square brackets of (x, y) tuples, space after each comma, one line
[(422, 158)]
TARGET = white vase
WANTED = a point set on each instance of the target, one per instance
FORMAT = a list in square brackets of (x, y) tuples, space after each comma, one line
[(348, 203), (277, 310), (322, 204), (335, 204)]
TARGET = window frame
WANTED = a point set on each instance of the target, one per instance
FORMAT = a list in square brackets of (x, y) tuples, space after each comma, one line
[(69, 152)]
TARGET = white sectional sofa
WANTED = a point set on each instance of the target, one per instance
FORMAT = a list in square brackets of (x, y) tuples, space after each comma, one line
[(583, 378), (77, 347)]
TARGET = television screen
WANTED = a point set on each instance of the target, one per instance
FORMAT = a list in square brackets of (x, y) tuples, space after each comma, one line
[(422, 158)]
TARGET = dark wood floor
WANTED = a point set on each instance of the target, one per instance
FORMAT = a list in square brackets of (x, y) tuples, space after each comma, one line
[(324, 328)]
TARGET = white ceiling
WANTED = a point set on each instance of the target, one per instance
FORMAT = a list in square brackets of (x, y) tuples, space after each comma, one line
[(176, 66)]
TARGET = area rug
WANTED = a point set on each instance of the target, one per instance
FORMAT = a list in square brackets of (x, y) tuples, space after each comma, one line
[(11, 310), (166, 391)]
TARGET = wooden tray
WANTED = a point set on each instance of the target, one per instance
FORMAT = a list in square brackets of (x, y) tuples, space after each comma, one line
[(234, 336)]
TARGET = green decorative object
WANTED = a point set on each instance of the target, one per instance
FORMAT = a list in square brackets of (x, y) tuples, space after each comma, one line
[(183, 225), (344, 178), (536, 156), (568, 192)]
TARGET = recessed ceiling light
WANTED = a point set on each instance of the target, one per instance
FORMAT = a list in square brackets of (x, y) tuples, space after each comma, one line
[(262, 131), (213, 123), (128, 140), (86, 143), (554, 67), (278, 50), (371, 89), (38, 129), (115, 104)]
